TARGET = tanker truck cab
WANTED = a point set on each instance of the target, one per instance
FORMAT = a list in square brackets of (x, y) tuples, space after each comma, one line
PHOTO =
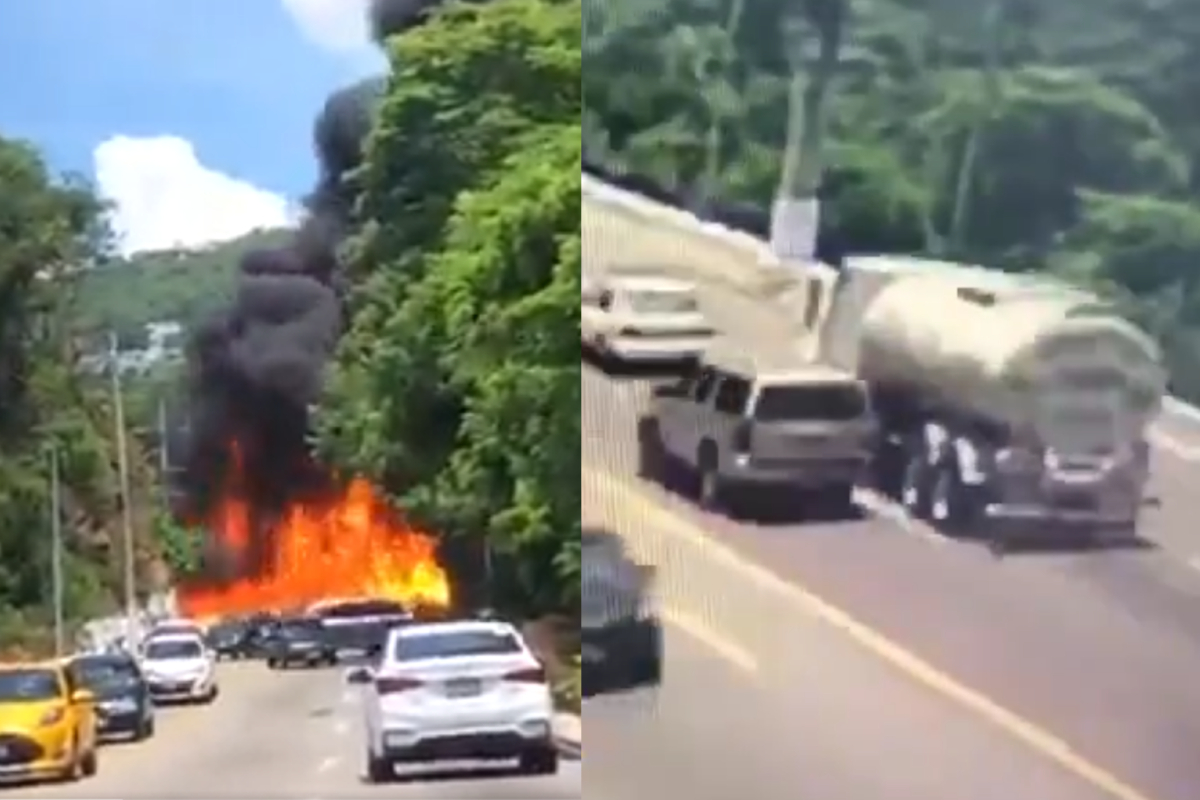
[(745, 423)]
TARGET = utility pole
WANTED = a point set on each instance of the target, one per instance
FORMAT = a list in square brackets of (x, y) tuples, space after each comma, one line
[(129, 553), (164, 454), (57, 582)]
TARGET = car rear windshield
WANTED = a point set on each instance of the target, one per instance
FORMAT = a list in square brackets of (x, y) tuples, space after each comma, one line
[(29, 686), (106, 671), (300, 628), (823, 403), (164, 649), (455, 644), (663, 302), (361, 608)]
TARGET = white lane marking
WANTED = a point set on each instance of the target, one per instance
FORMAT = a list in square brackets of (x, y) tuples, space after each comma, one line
[(328, 764)]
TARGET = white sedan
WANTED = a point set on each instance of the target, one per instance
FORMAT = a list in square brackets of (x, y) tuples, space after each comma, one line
[(179, 668), (642, 319), (457, 691)]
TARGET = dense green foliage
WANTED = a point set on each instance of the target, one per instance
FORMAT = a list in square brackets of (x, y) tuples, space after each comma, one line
[(48, 226), (457, 387), (124, 295), (1059, 137)]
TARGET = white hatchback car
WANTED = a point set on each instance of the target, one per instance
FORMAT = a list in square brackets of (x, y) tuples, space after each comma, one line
[(642, 318), (179, 668), (457, 691)]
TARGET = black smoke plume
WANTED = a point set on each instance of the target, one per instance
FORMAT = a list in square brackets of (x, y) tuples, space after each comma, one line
[(256, 368)]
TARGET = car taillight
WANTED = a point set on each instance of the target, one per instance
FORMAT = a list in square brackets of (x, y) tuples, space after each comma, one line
[(742, 436), (395, 685), (527, 675)]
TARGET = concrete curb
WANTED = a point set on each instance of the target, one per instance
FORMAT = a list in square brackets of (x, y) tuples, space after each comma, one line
[(568, 736)]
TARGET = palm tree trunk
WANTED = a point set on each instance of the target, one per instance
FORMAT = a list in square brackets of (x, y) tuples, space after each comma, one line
[(796, 216)]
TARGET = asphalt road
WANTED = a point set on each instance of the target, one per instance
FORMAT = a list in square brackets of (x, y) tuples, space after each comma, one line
[(1094, 654), (816, 717), (294, 734)]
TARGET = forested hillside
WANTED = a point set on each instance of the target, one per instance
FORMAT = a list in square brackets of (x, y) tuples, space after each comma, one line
[(124, 295), (48, 411), (1060, 137)]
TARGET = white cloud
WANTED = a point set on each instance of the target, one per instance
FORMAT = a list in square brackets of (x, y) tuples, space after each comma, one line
[(339, 26), (164, 197)]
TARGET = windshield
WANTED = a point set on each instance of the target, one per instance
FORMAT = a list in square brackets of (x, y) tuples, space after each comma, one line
[(663, 302), (29, 686), (305, 629), (164, 650), (106, 673), (355, 609), (455, 644), (820, 403)]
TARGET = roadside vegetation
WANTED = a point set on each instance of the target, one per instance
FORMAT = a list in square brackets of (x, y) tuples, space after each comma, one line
[(457, 386), (50, 227), (1043, 137)]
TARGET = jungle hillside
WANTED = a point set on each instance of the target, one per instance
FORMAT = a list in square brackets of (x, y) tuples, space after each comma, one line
[(1056, 138)]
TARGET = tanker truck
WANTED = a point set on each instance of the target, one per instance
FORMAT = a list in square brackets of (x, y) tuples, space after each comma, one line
[(1004, 402)]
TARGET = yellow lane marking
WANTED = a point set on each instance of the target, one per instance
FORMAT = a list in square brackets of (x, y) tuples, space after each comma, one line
[(917, 669), (729, 650)]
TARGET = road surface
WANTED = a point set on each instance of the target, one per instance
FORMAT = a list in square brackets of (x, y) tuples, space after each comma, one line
[(276, 734), (1092, 655)]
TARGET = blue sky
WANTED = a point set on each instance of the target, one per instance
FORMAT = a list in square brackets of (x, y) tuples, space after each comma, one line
[(235, 77)]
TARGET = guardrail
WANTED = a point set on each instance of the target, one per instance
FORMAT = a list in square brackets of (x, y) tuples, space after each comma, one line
[(600, 192)]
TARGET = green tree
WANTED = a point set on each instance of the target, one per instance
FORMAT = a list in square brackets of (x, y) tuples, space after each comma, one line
[(454, 387), (1018, 135), (51, 228)]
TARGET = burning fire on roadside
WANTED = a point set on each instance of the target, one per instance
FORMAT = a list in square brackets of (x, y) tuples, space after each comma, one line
[(348, 544)]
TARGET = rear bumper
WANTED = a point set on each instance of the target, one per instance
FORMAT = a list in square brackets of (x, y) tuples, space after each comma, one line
[(806, 473), (464, 746)]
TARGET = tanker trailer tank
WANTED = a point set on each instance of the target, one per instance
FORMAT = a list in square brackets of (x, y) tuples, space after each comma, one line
[(1009, 401)]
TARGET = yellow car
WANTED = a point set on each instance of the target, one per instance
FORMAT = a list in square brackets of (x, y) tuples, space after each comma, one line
[(47, 726)]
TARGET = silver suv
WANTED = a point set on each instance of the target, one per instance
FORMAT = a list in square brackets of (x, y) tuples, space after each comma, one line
[(743, 421)]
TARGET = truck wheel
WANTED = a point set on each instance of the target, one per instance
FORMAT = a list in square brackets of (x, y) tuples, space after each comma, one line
[(709, 491), (952, 504), (650, 450), (915, 481)]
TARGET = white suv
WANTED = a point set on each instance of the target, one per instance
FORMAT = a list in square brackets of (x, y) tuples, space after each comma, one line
[(457, 691)]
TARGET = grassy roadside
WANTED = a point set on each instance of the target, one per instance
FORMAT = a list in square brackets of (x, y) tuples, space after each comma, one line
[(556, 642)]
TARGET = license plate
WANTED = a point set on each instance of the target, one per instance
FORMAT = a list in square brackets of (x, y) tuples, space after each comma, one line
[(467, 687)]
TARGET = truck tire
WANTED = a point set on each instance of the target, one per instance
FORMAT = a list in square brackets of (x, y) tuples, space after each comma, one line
[(914, 489), (650, 450), (954, 507), (711, 492)]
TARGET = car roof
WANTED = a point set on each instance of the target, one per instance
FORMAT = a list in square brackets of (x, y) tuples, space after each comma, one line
[(454, 626), (773, 366), (652, 283), (178, 637)]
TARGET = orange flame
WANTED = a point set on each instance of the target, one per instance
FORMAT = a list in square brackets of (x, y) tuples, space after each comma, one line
[(353, 546)]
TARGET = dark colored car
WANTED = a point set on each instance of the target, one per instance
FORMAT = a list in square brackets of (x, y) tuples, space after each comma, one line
[(621, 634), (259, 630), (300, 641), (124, 708), (360, 627), (230, 639)]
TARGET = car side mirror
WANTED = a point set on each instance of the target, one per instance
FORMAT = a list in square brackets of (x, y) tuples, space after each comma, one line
[(359, 676), (82, 697)]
